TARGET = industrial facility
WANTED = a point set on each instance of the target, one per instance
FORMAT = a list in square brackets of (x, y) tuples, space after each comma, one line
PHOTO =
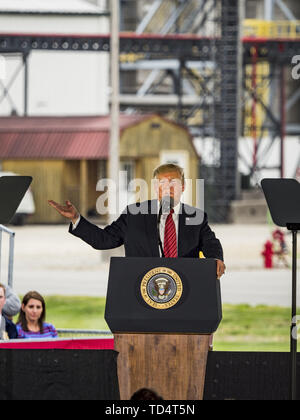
[(179, 59)]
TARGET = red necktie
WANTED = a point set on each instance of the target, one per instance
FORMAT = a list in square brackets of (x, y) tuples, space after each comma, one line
[(170, 245)]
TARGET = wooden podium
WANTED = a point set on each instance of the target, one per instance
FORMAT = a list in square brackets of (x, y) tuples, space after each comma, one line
[(173, 365), (162, 313)]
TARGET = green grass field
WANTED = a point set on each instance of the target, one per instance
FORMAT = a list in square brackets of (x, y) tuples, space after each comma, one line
[(260, 328), (244, 328)]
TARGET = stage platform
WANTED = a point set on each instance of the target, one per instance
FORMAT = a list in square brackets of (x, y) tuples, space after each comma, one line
[(60, 369), (86, 369)]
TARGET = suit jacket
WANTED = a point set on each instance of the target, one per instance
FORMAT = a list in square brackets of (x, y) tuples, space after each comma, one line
[(9, 327), (137, 230)]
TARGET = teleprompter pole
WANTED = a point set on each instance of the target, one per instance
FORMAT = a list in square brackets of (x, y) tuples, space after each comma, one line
[(293, 362), (283, 199)]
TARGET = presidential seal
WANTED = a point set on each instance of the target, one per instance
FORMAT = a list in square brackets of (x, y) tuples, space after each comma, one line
[(161, 288)]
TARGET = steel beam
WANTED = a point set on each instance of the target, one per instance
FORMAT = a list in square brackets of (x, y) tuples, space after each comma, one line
[(161, 100), (151, 46), (150, 15), (286, 10)]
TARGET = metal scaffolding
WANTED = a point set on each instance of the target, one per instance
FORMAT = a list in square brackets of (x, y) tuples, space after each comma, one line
[(267, 58), (182, 59)]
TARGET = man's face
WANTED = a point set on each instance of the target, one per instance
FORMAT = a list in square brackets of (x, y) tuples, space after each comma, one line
[(170, 184), (2, 299)]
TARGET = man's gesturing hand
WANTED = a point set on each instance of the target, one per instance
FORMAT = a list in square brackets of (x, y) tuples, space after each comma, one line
[(221, 267), (68, 211)]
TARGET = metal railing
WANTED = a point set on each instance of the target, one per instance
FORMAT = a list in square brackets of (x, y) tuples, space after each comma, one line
[(11, 253), (271, 29), (70, 333)]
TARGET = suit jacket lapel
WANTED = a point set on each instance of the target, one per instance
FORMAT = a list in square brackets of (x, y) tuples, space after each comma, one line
[(151, 228), (182, 233)]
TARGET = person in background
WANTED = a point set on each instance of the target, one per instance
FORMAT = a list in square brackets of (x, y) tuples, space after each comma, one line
[(31, 323), (145, 394), (12, 305), (7, 327), (280, 248)]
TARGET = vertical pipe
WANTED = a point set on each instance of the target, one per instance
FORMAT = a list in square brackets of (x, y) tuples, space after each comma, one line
[(293, 362), (180, 91), (254, 105), (283, 121), (240, 98), (114, 155), (269, 10), (84, 187), (0, 250), (11, 252), (11, 259), (25, 62)]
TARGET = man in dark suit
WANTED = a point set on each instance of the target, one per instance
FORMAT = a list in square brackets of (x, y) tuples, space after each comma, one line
[(8, 329), (183, 231)]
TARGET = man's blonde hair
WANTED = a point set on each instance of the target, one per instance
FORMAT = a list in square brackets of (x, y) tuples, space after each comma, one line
[(169, 167)]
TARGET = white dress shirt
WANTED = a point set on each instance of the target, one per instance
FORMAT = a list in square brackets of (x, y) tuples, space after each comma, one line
[(76, 223)]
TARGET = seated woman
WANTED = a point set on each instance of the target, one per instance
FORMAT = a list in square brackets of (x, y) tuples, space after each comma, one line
[(31, 323)]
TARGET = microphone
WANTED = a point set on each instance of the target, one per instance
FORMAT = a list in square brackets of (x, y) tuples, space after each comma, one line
[(166, 205)]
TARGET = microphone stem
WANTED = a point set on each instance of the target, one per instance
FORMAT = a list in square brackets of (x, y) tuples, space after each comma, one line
[(158, 231)]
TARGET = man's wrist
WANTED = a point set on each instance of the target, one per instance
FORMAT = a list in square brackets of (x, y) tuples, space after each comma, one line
[(76, 220)]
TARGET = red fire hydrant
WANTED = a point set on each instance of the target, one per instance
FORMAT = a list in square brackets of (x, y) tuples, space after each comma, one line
[(268, 254)]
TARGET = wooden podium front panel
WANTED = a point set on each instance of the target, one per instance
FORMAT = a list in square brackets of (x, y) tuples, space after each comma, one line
[(174, 366)]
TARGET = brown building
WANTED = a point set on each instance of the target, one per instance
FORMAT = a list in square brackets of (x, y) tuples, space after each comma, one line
[(68, 156)]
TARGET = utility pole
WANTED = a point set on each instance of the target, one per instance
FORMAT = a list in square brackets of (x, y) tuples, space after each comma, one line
[(114, 154), (25, 63)]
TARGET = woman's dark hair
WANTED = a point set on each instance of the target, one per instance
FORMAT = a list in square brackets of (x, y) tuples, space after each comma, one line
[(22, 318)]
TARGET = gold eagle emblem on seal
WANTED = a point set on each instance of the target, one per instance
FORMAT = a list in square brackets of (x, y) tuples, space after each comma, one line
[(161, 288)]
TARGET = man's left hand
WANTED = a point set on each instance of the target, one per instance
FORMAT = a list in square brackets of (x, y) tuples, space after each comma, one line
[(221, 267)]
